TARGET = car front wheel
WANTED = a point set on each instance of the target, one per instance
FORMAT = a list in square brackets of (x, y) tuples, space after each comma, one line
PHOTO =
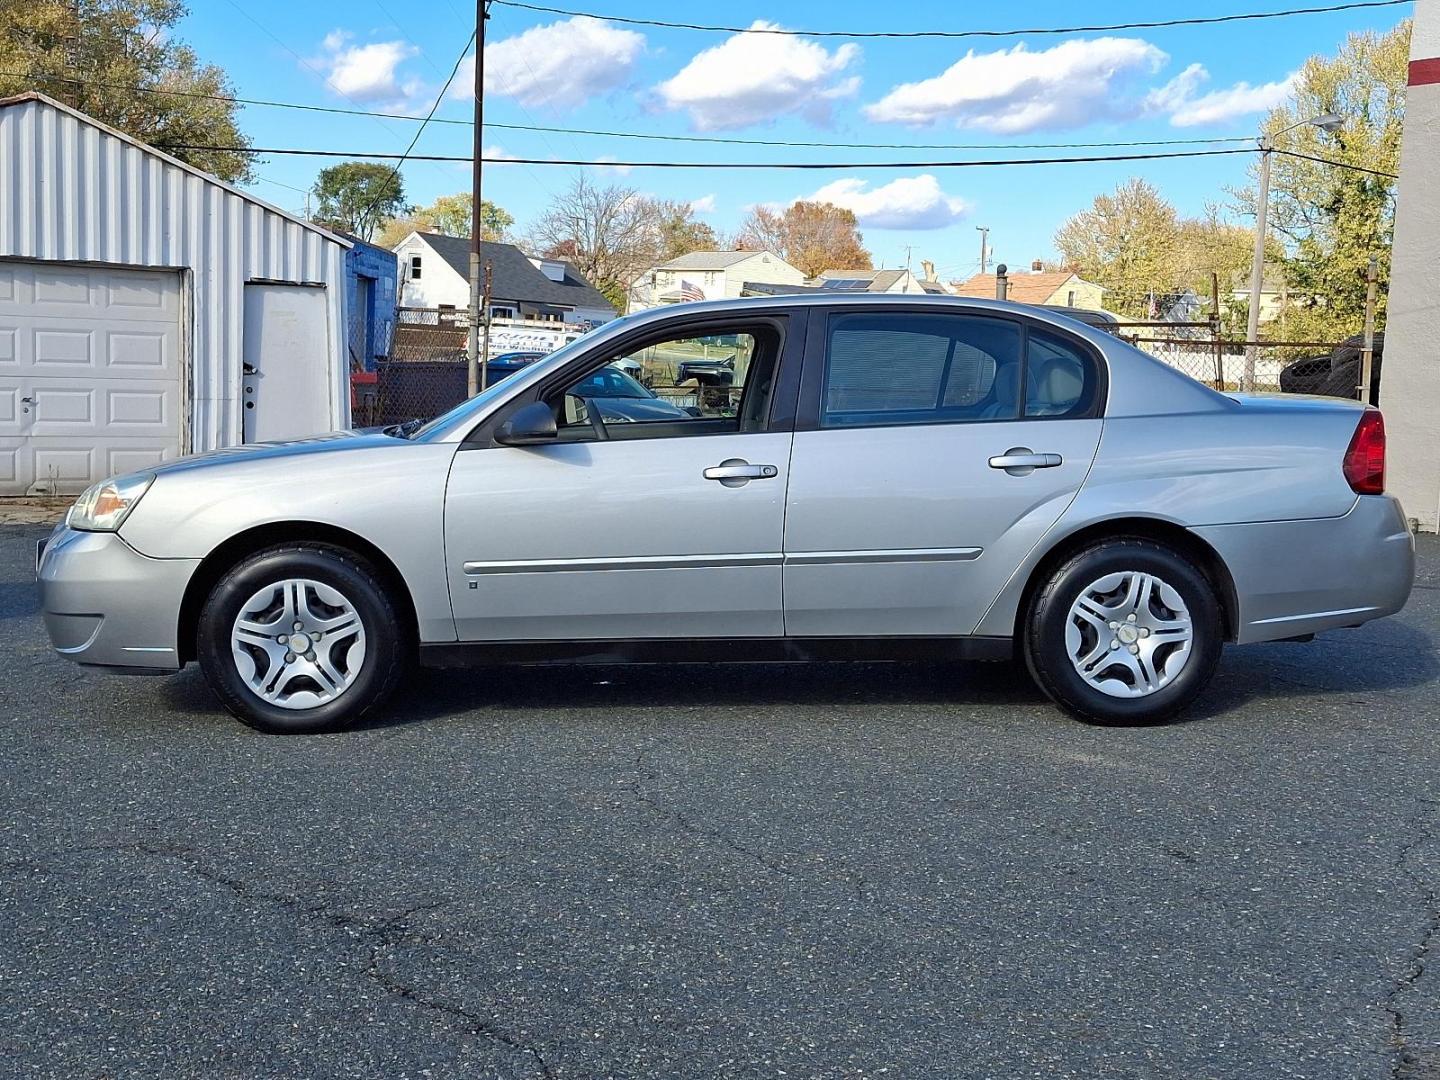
[(1125, 632), (301, 638)]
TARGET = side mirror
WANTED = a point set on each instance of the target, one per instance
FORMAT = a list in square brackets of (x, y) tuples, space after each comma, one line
[(528, 425)]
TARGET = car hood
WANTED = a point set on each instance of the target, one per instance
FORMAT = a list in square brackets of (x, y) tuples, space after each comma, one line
[(253, 453)]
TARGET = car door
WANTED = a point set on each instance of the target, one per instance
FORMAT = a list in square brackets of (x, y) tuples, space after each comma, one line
[(632, 528), (933, 450)]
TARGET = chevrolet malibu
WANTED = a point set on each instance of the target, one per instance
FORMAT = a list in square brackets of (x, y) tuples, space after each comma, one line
[(887, 477)]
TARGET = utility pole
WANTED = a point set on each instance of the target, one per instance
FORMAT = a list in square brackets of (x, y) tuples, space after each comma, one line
[(908, 249), (1257, 269), (984, 231), (477, 368)]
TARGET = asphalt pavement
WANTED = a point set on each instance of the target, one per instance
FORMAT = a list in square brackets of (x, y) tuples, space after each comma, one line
[(843, 870)]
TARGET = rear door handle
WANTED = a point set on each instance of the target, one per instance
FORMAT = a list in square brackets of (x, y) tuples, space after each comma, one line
[(1021, 461)]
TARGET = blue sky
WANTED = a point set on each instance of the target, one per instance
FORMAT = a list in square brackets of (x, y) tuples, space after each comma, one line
[(1194, 82)]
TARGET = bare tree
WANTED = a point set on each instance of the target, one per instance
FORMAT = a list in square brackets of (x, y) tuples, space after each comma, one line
[(611, 234)]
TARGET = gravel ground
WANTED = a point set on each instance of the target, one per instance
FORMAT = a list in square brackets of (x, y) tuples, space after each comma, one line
[(759, 871)]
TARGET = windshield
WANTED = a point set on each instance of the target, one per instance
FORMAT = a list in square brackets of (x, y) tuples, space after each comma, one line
[(496, 390)]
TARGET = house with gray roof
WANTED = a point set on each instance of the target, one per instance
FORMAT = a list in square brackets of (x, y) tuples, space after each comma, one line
[(435, 273), (710, 275)]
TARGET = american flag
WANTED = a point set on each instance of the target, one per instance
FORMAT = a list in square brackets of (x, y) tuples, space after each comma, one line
[(690, 291)]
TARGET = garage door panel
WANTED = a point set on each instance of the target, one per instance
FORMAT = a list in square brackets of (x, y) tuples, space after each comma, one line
[(137, 409), (143, 352), (67, 348), (97, 349), (65, 467), (11, 452)]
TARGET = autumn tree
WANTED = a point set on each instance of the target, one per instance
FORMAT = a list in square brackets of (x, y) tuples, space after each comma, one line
[(449, 215), (355, 196), (679, 232), (811, 236), (108, 58), (1330, 219)]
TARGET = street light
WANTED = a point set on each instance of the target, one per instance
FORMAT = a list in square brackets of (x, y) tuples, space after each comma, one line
[(1327, 122)]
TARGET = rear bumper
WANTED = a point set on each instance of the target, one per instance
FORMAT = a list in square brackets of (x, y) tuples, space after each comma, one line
[(1301, 577), (105, 604)]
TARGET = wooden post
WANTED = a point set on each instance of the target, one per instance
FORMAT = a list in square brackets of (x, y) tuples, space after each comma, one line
[(477, 360), (1215, 331), (1367, 357)]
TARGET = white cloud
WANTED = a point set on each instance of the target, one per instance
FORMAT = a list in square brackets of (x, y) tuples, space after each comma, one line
[(1016, 90), (368, 73), (705, 204), (752, 77), (496, 156), (1179, 98), (915, 202), (607, 164), (560, 65)]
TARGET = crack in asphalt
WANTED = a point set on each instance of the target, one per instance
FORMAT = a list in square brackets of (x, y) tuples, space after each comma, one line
[(387, 933), (1407, 1065), (689, 826)]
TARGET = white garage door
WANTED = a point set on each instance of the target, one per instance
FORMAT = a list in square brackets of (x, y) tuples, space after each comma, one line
[(89, 374)]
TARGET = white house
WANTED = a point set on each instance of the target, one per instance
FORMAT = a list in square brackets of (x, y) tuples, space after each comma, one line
[(710, 275), (147, 309), (435, 273), (877, 281)]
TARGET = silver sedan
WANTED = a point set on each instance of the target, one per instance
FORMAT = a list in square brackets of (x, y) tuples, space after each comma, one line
[(887, 477)]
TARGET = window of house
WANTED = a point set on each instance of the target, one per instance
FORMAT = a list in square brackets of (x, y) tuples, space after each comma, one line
[(414, 267), (920, 369)]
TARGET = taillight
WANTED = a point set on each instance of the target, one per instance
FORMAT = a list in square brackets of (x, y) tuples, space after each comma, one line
[(1365, 457)]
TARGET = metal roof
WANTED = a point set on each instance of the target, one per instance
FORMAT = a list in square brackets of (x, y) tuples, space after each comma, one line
[(85, 118)]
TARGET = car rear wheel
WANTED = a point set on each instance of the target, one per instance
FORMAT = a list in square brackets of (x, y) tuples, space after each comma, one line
[(1126, 632), (301, 639)]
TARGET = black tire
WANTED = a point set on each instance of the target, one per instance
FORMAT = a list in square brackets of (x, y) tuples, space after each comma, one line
[(387, 645), (1049, 613)]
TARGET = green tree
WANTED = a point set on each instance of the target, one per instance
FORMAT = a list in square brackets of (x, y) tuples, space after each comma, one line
[(1127, 242), (92, 54), (356, 196), (450, 214), (680, 232), (1331, 220)]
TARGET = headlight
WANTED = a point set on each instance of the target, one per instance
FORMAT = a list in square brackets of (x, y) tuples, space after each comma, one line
[(105, 506)]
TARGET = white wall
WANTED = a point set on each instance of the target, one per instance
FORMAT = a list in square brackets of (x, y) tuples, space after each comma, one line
[(1410, 378), (439, 283)]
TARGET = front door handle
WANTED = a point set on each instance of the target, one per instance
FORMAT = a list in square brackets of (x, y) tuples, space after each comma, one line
[(1021, 461), (735, 472)]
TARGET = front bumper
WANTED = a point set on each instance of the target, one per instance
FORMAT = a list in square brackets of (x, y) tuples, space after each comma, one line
[(105, 604), (1294, 578)]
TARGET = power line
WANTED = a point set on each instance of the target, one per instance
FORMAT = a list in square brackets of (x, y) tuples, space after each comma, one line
[(712, 139), (1153, 25), (395, 171), (1337, 164), (280, 151), (974, 164)]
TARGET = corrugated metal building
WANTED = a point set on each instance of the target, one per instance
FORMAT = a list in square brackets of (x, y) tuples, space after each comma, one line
[(148, 309)]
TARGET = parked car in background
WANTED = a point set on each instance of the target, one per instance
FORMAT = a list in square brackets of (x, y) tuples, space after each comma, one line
[(718, 372), (1101, 320), (621, 399), (904, 476), (1337, 373)]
